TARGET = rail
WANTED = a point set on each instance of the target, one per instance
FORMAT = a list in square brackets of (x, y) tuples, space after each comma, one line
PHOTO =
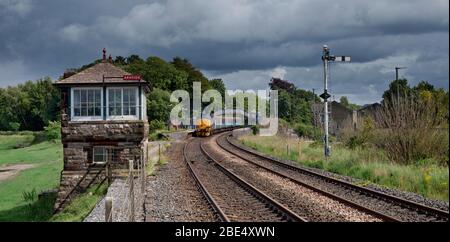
[(420, 208)]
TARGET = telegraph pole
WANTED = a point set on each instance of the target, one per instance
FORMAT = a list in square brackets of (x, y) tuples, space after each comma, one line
[(396, 72), (396, 79), (326, 57)]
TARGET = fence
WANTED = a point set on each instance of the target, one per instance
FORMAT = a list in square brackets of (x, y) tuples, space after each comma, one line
[(130, 198)]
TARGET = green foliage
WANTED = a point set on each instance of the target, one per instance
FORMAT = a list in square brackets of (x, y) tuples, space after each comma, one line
[(80, 207), (159, 73), (194, 75), (44, 175), (29, 196), (156, 125), (38, 209), (344, 101), (294, 104), (159, 105), (217, 84), (363, 136), (15, 141), (413, 123), (426, 177), (28, 106), (255, 129), (53, 130), (14, 126), (397, 88), (308, 131)]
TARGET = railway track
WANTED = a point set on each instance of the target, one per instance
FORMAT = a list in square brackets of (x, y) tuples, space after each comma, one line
[(231, 198), (381, 205)]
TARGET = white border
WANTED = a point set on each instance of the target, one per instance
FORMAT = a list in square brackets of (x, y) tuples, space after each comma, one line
[(85, 118), (123, 117), (105, 149)]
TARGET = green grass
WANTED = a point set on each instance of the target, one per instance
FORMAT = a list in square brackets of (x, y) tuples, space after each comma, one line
[(12, 141), (47, 158), (154, 162), (80, 207), (426, 177)]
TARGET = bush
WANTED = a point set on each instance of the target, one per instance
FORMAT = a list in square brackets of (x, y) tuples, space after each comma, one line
[(361, 138), (410, 129), (156, 125), (309, 131), (255, 129), (53, 130), (13, 126)]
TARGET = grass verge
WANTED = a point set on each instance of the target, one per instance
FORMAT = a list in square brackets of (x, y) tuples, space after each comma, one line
[(154, 161), (47, 158), (426, 177), (80, 207)]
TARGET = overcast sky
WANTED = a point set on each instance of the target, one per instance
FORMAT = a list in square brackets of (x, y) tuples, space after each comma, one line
[(243, 42)]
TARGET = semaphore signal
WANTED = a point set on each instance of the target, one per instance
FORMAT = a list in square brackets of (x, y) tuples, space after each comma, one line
[(326, 57)]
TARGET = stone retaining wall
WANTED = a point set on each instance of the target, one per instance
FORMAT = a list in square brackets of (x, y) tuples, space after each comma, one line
[(102, 131)]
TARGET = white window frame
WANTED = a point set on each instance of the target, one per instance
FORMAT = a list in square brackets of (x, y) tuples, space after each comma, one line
[(72, 105), (143, 105), (105, 153), (123, 117)]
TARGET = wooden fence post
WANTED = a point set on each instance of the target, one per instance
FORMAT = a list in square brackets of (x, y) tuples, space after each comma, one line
[(131, 197), (299, 149), (108, 209), (142, 174), (109, 173), (159, 152)]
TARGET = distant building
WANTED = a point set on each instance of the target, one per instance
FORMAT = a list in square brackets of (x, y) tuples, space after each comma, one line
[(369, 110), (340, 117), (103, 122)]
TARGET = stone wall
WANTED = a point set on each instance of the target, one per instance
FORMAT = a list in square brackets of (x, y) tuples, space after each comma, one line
[(79, 174), (128, 131), (78, 156), (125, 140)]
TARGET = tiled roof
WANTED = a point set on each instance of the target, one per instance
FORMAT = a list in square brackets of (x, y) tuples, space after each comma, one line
[(95, 75)]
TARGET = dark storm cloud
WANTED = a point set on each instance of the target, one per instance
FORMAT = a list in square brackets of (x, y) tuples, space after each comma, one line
[(242, 41)]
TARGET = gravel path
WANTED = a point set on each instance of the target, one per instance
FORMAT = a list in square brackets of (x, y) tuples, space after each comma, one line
[(172, 194), (116, 192), (7, 172)]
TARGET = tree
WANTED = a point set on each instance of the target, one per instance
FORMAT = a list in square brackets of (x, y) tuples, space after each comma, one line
[(423, 86), (284, 105), (217, 84), (44, 98), (278, 84), (397, 89), (120, 60), (194, 75), (28, 106), (344, 101), (159, 74), (159, 105), (294, 104), (133, 59)]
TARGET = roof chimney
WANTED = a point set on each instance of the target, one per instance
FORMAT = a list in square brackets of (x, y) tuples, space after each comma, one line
[(104, 55)]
